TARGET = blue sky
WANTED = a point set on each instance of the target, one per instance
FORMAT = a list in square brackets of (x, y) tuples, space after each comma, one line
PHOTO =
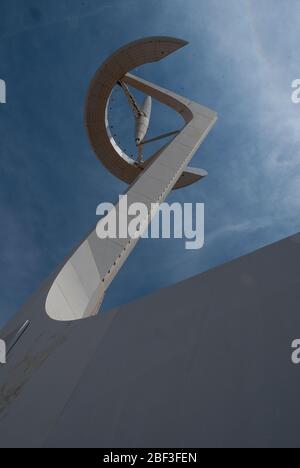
[(242, 58)]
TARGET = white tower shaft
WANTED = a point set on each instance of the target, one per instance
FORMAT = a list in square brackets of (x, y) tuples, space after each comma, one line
[(78, 290)]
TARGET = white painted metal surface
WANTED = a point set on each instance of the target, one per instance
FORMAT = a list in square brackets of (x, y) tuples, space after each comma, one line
[(78, 290)]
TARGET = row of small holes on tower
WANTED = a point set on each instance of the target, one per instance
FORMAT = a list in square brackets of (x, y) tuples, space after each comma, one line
[(116, 90), (124, 250)]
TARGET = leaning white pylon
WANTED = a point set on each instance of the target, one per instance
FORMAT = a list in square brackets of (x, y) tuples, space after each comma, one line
[(79, 288)]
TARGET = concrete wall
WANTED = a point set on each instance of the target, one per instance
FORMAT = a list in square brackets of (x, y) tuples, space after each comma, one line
[(204, 363)]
